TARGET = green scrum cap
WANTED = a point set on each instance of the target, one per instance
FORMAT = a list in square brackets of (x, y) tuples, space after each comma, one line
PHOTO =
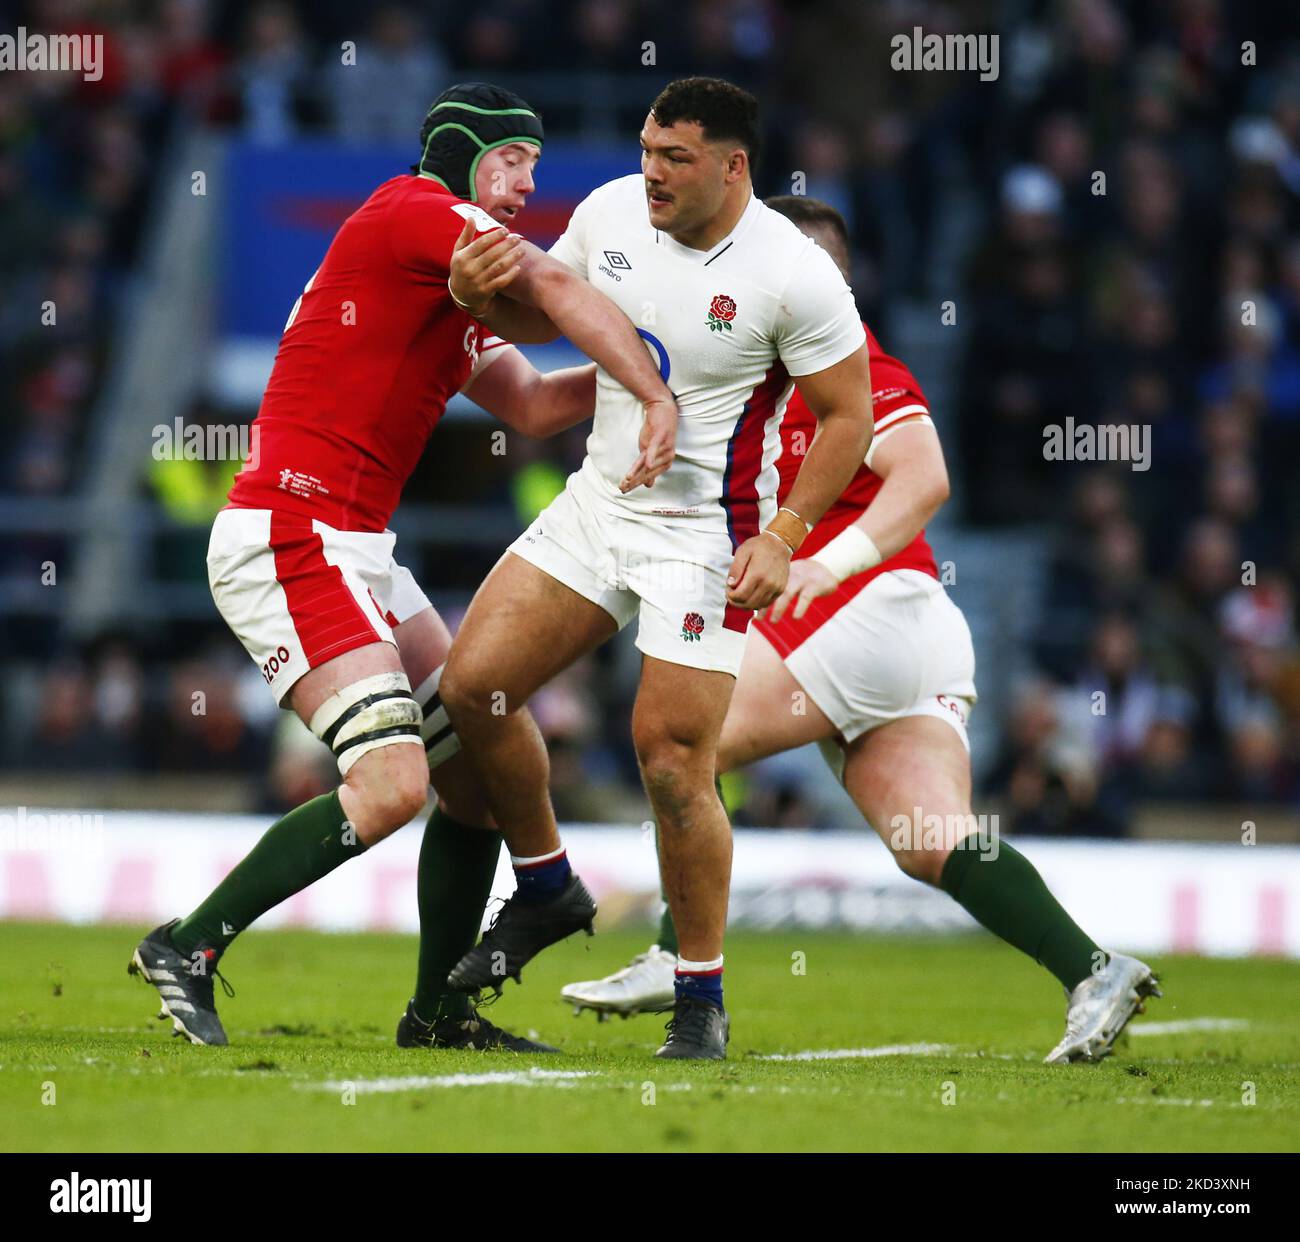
[(463, 124)]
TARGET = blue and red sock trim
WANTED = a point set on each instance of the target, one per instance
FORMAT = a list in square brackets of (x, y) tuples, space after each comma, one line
[(701, 985), (540, 879)]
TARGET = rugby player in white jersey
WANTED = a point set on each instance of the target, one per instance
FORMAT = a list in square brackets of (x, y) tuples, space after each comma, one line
[(738, 307), (879, 661)]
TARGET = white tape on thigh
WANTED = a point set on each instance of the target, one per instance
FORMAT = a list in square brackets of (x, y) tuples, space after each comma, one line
[(375, 711), (440, 740)]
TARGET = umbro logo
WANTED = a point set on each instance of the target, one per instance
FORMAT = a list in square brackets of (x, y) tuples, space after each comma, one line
[(615, 262)]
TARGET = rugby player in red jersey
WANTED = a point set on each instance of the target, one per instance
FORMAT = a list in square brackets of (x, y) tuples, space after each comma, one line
[(879, 660), (301, 561)]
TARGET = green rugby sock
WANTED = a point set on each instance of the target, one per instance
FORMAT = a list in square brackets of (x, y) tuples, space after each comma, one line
[(457, 864), (294, 852), (667, 932), (1007, 895), (667, 938)]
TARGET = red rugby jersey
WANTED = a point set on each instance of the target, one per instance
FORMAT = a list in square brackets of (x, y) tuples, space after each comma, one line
[(895, 397), (370, 356)]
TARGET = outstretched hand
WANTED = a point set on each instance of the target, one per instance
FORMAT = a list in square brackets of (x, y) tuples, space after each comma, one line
[(809, 580), (482, 265), (658, 445)]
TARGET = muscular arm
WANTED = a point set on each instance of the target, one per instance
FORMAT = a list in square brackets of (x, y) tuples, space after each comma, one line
[(840, 397), (481, 268), (915, 486), (514, 321), (523, 295), (589, 319), (532, 403)]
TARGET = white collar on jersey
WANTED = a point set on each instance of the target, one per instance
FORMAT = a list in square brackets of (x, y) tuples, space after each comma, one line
[(705, 257)]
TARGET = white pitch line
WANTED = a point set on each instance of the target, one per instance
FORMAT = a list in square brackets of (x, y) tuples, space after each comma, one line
[(422, 1082), (1187, 1025), (1184, 1026), (1123, 1099), (853, 1054)]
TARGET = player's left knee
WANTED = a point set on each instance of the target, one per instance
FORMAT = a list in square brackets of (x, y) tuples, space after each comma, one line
[(396, 799), (924, 865), (675, 773), (665, 781), (470, 693)]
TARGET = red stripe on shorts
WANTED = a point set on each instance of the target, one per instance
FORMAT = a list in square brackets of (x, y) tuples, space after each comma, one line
[(737, 619), (389, 618), (325, 614)]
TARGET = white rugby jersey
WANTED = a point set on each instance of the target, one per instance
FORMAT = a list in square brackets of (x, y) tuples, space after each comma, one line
[(729, 327)]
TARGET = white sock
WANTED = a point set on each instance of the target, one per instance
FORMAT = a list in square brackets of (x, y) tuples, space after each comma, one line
[(539, 858), (685, 967)]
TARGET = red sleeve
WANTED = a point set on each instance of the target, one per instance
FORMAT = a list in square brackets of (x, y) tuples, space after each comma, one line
[(422, 232), (895, 398), (895, 393)]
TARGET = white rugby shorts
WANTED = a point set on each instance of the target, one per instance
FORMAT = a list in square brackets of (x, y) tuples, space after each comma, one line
[(671, 576), (900, 647), (296, 592)]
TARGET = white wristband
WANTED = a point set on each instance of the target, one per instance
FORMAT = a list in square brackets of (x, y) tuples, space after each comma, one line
[(849, 553)]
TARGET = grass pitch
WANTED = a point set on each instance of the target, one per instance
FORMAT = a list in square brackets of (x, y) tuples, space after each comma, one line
[(84, 1067)]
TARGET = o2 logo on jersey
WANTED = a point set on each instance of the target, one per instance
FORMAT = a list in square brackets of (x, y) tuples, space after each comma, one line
[(275, 664), (660, 353)]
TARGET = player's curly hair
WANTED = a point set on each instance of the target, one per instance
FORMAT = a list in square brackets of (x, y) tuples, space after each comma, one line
[(723, 110)]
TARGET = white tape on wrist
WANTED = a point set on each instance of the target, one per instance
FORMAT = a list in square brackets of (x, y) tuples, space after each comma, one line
[(849, 553)]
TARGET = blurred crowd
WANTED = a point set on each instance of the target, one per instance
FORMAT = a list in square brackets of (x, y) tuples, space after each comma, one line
[(1140, 267), (1116, 220), (78, 158), (76, 163)]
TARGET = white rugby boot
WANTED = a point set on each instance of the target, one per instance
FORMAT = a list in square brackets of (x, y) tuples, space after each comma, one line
[(1100, 1008), (644, 985)]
